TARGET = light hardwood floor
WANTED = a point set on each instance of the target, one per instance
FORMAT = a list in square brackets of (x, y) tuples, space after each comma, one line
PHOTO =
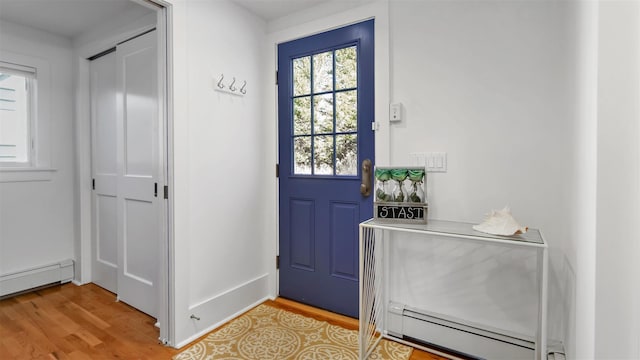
[(85, 322)]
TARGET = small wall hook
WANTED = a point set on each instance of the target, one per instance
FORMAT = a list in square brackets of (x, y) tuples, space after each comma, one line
[(220, 84), (243, 89), (231, 87)]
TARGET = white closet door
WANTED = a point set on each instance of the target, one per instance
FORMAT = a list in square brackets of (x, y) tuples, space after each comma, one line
[(138, 159), (105, 169)]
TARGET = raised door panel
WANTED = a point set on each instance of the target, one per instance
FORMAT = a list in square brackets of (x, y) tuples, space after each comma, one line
[(303, 230), (344, 251)]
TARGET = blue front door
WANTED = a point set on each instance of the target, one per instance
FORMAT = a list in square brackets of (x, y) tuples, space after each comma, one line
[(325, 111)]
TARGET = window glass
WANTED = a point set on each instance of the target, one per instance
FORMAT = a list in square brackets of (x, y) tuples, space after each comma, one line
[(302, 115), (346, 68), (15, 115), (323, 72), (323, 114), (302, 155), (347, 154), (323, 155), (347, 111), (302, 76)]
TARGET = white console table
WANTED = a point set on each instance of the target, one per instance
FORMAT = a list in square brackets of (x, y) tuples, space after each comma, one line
[(436, 320)]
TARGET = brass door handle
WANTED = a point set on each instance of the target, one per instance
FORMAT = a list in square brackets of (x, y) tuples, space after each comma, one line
[(365, 186)]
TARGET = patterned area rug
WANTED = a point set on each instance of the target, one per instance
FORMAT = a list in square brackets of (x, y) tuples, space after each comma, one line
[(268, 333)]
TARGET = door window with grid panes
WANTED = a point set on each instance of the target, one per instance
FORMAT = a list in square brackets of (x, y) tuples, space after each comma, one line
[(325, 113)]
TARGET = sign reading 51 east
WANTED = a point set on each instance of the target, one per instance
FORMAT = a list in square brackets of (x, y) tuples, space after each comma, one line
[(400, 212)]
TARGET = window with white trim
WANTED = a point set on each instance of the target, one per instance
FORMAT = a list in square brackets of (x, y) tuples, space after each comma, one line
[(17, 115)]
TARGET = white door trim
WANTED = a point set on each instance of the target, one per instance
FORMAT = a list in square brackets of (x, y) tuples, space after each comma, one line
[(82, 244)]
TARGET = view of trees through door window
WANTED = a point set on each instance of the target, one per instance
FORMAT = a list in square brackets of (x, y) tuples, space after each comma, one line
[(325, 113)]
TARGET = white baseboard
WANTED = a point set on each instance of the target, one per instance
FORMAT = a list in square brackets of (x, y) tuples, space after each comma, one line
[(218, 310), (20, 281)]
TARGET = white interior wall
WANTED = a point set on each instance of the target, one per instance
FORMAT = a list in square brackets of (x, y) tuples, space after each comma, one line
[(556, 87), (490, 84), (37, 217), (493, 85), (221, 262), (618, 187)]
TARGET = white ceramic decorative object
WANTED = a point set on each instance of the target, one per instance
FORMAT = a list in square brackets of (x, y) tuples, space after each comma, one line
[(501, 223)]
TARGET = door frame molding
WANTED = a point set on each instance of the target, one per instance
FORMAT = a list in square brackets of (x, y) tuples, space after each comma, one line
[(82, 122), (379, 11)]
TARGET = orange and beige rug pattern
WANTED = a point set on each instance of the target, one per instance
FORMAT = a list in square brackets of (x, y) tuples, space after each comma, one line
[(268, 333)]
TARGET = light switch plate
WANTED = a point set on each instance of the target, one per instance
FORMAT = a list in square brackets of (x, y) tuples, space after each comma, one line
[(395, 112), (435, 161), (416, 159)]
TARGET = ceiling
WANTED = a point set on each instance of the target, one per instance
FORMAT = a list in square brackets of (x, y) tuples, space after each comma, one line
[(68, 18), (274, 9)]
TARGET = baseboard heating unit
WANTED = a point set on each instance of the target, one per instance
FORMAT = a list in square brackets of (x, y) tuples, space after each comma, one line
[(456, 336), (17, 282)]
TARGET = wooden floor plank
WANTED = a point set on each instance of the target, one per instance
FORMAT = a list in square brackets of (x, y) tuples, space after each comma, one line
[(88, 316), (70, 322), (10, 347)]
